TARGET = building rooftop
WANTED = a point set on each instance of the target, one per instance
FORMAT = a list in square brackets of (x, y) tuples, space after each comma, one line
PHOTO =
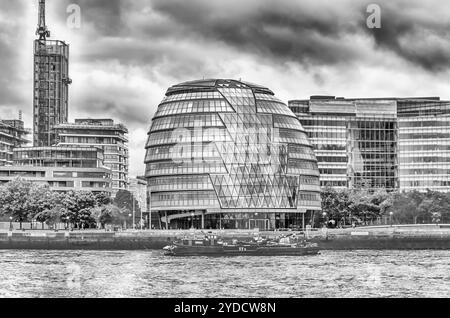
[(334, 98), (60, 148), (213, 84), (103, 124)]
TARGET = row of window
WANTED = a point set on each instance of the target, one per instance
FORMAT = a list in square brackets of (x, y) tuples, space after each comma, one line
[(25, 174), (90, 131), (268, 97), (80, 174), (425, 171), (309, 196), (293, 148), (286, 122), (188, 167), (328, 134), (181, 152), (183, 199), (424, 135), (193, 106), (314, 122), (333, 183), (190, 182), (186, 121), (302, 164), (425, 183), (332, 171), (424, 159), (191, 96), (309, 180), (189, 135), (427, 147), (272, 108), (291, 136), (325, 146), (331, 159), (425, 124), (58, 154), (237, 93), (89, 140)]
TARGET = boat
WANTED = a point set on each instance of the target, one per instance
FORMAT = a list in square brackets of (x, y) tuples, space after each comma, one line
[(210, 245)]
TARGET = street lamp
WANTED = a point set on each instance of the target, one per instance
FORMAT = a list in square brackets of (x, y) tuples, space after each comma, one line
[(390, 214), (129, 215), (324, 214), (10, 223)]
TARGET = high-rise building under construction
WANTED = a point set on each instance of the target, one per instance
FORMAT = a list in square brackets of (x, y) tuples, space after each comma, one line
[(51, 83)]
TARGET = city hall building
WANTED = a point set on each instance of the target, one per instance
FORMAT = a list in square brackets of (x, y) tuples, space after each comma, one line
[(229, 154), (391, 143)]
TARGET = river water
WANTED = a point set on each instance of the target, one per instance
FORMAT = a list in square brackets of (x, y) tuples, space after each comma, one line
[(150, 274)]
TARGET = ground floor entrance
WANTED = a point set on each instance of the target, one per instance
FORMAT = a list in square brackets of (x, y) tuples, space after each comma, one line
[(201, 219)]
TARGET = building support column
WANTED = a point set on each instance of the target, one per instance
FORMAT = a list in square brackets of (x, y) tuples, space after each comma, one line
[(203, 220), (303, 221), (167, 222)]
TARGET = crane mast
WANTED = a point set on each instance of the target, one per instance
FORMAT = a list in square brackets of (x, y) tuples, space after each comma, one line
[(42, 30)]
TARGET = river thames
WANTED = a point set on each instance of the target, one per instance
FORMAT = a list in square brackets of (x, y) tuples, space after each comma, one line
[(150, 274)]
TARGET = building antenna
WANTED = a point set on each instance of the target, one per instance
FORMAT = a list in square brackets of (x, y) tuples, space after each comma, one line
[(42, 30)]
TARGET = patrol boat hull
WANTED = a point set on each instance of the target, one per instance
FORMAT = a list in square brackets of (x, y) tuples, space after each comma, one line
[(240, 250)]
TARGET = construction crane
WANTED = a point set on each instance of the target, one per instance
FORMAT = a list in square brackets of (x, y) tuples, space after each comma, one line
[(42, 30)]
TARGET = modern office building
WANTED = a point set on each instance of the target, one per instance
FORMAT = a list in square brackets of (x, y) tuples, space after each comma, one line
[(103, 133), (51, 84), (12, 134), (62, 168), (229, 154), (391, 143)]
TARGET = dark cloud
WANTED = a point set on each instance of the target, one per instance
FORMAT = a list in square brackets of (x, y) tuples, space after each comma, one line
[(10, 57), (106, 16), (133, 115), (415, 33), (282, 30), (319, 34)]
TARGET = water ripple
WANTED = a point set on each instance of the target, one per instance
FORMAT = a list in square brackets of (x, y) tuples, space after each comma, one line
[(150, 274)]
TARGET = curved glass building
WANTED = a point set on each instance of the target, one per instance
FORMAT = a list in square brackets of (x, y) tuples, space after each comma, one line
[(229, 154)]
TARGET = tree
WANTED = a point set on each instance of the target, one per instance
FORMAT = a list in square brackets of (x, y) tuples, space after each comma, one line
[(78, 205), (124, 200), (108, 214), (51, 216), (335, 203), (22, 199), (41, 199), (14, 199), (103, 198)]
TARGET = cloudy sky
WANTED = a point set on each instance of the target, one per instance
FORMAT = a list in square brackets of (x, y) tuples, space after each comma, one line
[(127, 53)]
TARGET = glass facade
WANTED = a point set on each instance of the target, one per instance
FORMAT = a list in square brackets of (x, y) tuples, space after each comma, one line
[(81, 157), (379, 143), (62, 168), (12, 134), (424, 144), (51, 89), (229, 154), (104, 134)]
